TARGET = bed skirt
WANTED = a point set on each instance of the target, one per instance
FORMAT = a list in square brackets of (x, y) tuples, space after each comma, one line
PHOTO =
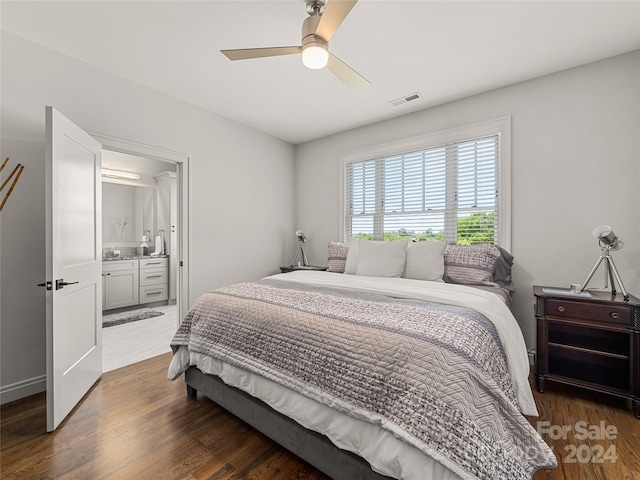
[(314, 448)]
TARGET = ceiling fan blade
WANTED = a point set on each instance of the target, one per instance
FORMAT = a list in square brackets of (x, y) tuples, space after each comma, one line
[(335, 11), (247, 53), (346, 74)]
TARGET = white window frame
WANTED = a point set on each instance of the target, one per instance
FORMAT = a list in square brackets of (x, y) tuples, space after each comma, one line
[(501, 127)]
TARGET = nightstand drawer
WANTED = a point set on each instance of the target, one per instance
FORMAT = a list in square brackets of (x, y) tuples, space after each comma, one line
[(589, 311)]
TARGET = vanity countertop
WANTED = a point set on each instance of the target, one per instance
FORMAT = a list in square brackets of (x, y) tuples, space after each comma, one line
[(131, 257)]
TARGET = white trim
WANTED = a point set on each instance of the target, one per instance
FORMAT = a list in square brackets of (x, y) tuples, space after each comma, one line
[(182, 169), (22, 389), (499, 126), (140, 149), (341, 196), (504, 181)]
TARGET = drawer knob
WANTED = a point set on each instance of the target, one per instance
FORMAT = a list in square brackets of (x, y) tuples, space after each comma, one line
[(561, 308), (614, 315)]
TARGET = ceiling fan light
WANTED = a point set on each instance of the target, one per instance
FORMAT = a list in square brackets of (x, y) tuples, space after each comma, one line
[(315, 56)]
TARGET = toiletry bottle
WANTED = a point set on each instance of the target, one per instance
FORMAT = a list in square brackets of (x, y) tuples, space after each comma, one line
[(143, 248), (116, 252)]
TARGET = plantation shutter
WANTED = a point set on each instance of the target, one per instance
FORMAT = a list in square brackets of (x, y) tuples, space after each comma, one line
[(448, 191)]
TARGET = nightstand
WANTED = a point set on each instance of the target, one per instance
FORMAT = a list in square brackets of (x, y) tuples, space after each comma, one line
[(592, 343), (292, 268)]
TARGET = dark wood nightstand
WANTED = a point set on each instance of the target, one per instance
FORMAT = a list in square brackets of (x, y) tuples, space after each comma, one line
[(292, 268), (591, 342)]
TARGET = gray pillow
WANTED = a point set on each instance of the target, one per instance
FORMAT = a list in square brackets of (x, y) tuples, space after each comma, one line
[(502, 270), (470, 264), (337, 257)]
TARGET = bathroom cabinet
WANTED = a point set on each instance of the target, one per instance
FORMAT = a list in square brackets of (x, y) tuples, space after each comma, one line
[(134, 281), (154, 281), (120, 283)]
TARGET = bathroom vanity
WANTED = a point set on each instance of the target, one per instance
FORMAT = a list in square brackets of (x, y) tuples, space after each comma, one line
[(129, 281)]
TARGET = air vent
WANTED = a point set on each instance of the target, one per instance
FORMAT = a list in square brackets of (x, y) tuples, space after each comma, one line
[(405, 99)]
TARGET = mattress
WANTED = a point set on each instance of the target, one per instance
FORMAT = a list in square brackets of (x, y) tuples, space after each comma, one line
[(386, 450)]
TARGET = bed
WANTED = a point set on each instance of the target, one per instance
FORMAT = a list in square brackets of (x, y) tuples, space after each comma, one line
[(369, 377)]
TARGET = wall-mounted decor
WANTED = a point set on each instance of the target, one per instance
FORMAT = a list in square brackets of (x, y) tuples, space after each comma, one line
[(17, 171)]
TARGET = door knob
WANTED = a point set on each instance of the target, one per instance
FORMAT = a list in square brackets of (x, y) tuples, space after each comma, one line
[(47, 284), (60, 283)]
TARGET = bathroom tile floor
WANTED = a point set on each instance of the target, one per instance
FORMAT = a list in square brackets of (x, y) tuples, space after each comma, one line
[(136, 341)]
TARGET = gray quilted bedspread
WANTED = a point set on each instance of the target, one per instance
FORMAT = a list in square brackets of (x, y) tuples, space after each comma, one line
[(434, 375)]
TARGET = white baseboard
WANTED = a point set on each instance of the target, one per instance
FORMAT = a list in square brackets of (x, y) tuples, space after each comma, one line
[(25, 388)]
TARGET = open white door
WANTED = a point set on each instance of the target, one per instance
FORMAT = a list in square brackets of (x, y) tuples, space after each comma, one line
[(74, 267)]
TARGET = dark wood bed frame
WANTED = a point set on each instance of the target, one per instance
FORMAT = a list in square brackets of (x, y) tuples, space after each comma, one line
[(314, 448)]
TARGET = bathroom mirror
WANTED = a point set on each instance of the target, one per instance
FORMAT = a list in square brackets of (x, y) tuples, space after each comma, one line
[(127, 211)]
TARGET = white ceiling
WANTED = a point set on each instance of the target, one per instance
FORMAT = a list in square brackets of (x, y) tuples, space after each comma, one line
[(445, 50)]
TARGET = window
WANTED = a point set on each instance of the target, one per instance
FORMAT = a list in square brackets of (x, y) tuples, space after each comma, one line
[(452, 185)]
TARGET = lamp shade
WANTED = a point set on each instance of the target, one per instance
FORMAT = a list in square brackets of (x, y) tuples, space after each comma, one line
[(605, 234)]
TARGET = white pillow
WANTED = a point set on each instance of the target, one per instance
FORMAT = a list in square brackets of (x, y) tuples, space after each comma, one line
[(425, 260), (381, 259), (351, 266)]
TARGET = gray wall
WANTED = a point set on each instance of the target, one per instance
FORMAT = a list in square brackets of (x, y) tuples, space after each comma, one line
[(241, 188), (575, 165)]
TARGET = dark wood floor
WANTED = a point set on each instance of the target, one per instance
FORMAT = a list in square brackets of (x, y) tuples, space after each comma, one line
[(579, 456), (135, 424)]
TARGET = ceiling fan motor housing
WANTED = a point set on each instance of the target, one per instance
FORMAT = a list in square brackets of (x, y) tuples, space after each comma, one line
[(309, 27)]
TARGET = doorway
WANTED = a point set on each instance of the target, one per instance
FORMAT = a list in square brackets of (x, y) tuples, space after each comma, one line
[(145, 248)]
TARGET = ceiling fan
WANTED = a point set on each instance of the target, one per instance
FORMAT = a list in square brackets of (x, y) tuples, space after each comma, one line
[(325, 16)]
